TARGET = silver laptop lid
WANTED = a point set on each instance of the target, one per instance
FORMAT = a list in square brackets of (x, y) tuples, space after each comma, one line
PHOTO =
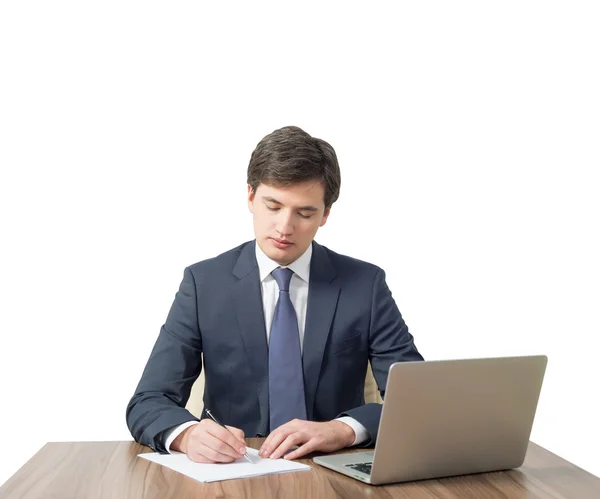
[(452, 417)]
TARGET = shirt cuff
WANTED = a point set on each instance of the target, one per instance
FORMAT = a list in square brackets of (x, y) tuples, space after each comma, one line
[(173, 433), (362, 435)]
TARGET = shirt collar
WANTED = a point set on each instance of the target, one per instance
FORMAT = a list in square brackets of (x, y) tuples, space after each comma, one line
[(300, 266)]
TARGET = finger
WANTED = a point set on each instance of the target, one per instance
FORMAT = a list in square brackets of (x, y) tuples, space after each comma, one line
[(238, 447), (238, 433), (274, 440), (204, 454), (310, 446), (279, 435), (201, 435), (223, 447), (291, 441)]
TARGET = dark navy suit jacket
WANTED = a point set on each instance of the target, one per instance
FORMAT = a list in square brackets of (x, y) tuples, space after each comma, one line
[(351, 317)]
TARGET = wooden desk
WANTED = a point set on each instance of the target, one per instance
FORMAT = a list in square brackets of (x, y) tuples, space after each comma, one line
[(112, 470)]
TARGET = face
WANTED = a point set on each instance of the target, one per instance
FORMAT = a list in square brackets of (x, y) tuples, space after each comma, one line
[(286, 219)]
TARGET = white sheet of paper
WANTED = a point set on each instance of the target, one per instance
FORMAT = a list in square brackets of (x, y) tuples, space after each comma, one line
[(215, 472)]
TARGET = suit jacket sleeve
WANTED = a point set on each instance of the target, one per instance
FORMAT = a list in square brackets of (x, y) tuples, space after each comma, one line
[(389, 342), (174, 365)]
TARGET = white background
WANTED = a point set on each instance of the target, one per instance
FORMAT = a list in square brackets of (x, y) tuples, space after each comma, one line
[(468, 138)]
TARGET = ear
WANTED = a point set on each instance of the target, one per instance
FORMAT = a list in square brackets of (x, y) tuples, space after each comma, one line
[(325, 215), (251, 198)]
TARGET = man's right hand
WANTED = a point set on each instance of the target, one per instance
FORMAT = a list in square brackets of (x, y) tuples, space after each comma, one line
[(208, 442)]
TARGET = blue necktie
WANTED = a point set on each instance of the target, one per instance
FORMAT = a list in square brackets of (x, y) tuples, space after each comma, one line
[(286, 382)]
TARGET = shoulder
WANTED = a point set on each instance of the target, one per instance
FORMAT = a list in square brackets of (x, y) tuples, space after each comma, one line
[(224, 262), (347, 265)]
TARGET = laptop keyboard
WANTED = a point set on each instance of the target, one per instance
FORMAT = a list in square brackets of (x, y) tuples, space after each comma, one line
[(362, 467)]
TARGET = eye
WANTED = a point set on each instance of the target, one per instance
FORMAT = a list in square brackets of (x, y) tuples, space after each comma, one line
[(304, 216), (270, 208)]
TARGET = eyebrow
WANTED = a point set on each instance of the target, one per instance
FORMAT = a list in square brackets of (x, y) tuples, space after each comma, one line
[(302, 208)]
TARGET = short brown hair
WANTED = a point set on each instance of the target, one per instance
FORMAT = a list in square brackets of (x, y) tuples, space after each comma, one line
[(290, 156)]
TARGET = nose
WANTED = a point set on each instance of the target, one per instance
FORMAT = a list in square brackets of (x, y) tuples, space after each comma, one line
[(284, 225)]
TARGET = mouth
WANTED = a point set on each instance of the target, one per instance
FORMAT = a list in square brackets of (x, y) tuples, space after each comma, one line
[(281, 243)]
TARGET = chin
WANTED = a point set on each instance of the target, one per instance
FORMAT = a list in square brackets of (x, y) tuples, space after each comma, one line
[(281, 256)]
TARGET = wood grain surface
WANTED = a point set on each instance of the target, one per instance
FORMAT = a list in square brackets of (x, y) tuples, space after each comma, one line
[(112, 470)]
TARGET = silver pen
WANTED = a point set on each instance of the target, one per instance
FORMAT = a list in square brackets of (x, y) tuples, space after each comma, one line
[(209, 414)]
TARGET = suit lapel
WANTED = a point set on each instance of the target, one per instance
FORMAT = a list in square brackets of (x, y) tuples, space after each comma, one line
[(322, 302), (247, 300)]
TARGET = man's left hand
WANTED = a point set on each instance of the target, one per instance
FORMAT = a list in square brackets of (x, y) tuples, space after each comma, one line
[(308, 436)]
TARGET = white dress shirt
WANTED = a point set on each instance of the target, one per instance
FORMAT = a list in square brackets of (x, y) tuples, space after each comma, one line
[(270, 294)]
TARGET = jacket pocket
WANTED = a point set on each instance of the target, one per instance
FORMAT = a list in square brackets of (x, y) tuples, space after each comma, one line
[(345, 344)]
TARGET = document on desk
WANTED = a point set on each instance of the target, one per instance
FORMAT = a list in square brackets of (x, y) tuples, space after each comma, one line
[(226, 471)]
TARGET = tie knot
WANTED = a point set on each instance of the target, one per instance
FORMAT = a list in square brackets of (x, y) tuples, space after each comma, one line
[(283, 278)]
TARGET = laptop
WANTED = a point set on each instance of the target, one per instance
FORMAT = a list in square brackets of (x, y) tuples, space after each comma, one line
[(450, 417)]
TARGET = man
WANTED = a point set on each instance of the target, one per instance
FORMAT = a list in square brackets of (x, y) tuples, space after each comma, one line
[(286, 327)]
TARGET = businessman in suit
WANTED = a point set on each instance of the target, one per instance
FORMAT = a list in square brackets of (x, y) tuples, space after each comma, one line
[(286, 327)]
